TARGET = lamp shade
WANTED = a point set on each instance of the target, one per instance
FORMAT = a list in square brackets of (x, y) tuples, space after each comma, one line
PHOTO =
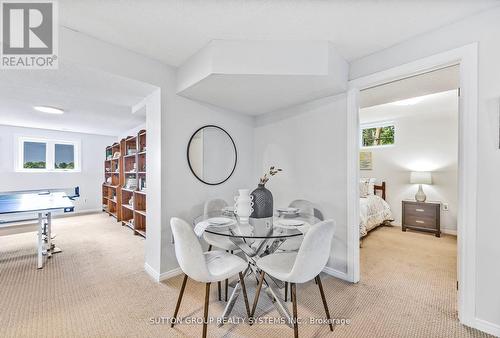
[(420, 177)]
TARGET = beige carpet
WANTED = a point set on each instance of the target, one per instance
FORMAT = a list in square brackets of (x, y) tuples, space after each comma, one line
[(97, 288)]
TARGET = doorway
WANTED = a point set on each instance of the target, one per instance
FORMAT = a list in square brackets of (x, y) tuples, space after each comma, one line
[(466, 58)]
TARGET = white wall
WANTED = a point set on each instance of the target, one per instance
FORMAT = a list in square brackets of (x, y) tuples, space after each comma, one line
[(309, 143), (133, 131), (426, 139), (485, 29), (185, 194), (89, 179), (172, 188), (84, 50)]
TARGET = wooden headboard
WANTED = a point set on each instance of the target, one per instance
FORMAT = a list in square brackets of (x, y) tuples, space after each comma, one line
[(381, 188)]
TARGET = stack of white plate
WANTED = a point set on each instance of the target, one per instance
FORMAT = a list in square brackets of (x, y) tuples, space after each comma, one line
[(228, 211), (220, 222), (288, 211), (289, 223)]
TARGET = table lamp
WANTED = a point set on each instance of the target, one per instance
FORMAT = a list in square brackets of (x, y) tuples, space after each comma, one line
[(420, 177)]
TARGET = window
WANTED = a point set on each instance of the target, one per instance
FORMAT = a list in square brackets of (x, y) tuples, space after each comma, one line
[(64, 156), (38, 155), (34, 155), (376, 135)]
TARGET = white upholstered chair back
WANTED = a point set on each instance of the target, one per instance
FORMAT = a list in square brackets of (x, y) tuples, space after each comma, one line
[(309, 208), (214, 205), (305, 206), (188, 251), (313, 253), (319, 214)]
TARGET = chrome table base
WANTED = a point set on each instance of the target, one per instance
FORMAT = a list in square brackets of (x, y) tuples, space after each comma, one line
[(253, 254)]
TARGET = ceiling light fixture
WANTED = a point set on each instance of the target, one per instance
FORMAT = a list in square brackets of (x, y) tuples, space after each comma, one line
[(408, 102), (49, 110)]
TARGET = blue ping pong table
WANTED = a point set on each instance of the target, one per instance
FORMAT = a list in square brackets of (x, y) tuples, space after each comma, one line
[(43, 203)]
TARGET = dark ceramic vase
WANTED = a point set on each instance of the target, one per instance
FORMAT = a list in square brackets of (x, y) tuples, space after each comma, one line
[(262, 202)]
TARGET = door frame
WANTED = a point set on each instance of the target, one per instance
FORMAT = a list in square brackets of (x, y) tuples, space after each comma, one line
[(467, 59)]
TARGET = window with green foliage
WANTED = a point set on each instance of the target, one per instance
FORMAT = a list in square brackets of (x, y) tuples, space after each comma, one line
[(48, 155), (64, 156), (35, 155), (373, 136)]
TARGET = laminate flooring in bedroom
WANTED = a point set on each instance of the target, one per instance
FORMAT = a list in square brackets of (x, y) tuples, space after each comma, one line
[(98, 288)]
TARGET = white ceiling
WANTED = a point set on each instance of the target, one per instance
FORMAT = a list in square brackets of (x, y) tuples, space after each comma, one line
[(94, 102), (432, 82), (172, 31), (435, 105)]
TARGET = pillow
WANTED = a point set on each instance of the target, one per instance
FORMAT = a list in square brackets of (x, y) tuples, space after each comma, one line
[(371, 186), (363, 188), (367, 186)]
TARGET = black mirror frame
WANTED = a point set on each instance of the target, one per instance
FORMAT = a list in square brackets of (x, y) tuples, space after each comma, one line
[(235, 154)]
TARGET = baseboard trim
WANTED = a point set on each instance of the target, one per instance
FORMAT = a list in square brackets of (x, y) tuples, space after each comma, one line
[(170, 274), (487, 327), (152, 272), (449, 232), (336, 273), (158, 277), (177, 271), (30, 225), (34, 219), (452, 232), (78, 213)]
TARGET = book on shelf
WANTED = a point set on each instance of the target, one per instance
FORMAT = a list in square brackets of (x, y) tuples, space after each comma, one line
[(131, 183)]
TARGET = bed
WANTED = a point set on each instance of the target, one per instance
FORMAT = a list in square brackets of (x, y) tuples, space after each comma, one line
[(373, 209)]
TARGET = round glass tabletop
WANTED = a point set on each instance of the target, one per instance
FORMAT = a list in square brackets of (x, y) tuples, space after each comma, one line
[(229, 225)]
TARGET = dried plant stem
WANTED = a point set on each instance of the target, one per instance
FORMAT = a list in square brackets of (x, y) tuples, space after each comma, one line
[(272, 171)]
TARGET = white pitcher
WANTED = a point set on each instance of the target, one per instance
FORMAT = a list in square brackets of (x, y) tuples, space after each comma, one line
[(243, 206)]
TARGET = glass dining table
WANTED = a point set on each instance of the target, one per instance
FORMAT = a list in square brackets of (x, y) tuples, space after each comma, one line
[(256, 241)]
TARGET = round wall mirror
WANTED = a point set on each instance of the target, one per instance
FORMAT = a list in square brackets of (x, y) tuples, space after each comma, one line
[(212, 155)]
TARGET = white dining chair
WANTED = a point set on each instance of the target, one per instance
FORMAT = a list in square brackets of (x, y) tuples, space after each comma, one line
[(216, 204), (293, 244), (301, 266), (306, 207), (318, 213), (208, 267), (220, 242)]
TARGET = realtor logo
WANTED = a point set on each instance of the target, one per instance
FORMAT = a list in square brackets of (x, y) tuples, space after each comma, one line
[(29, 35)]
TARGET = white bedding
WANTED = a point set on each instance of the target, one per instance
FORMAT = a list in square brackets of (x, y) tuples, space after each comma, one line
[(373, 211)]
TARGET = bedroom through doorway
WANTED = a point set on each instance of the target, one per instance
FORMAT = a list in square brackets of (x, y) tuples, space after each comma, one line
[(408, 189)]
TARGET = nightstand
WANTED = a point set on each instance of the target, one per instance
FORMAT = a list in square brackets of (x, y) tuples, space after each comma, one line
[(423, 216)]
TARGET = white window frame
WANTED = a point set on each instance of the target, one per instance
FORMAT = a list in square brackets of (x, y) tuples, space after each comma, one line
[(50, 146), (376, 125)]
